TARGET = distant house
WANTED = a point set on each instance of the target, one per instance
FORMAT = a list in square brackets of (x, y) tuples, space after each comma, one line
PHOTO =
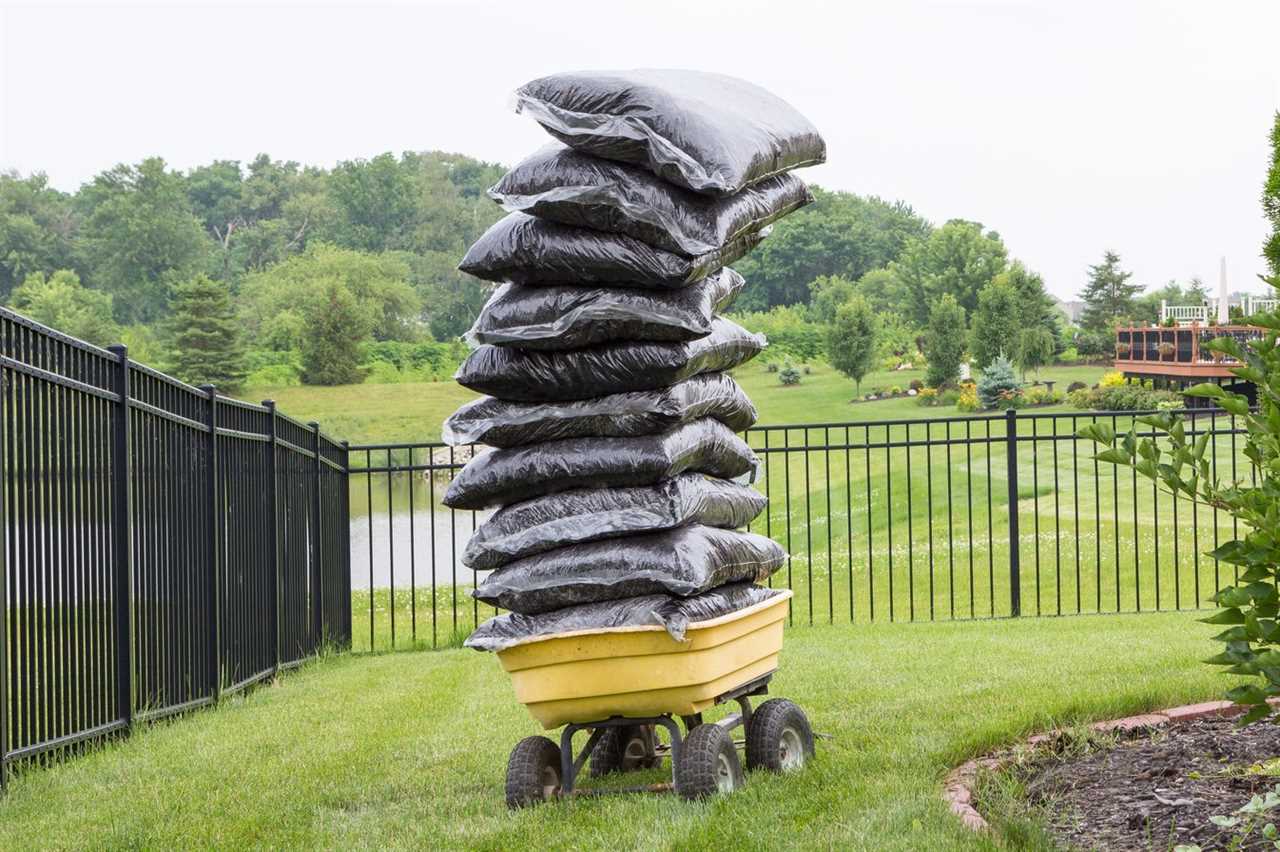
[(1071, 310)]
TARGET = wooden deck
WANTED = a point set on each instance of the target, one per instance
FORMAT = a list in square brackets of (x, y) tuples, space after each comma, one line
[(1177, 353)]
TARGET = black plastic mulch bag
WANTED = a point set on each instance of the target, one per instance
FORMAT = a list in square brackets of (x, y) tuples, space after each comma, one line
[(503, 423), (500, 477), (545, 376), (571, 317), (527, 250), (673, 614), (590, 514), (708, 132), (683, 562), (573, 188)]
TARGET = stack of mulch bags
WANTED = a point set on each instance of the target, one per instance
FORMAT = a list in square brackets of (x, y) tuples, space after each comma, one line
[(603, 356)]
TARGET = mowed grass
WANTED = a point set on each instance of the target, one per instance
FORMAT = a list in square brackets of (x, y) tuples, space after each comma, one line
[(407, 751), (414, 411)]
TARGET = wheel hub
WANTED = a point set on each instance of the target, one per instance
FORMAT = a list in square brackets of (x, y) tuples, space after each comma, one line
[(790, 750), (550, 782), (724, 775)]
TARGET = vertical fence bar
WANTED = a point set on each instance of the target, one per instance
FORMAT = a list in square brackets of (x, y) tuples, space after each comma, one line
[(5, 408), (121, 517), (215, 545), (1011, 461), (273, 528), (317, 536)]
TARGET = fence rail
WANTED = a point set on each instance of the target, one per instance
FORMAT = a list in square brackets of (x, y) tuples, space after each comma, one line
[(984, 516), (163, 545)]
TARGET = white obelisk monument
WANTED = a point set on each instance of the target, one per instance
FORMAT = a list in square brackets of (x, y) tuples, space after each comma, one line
[(1224, 309)]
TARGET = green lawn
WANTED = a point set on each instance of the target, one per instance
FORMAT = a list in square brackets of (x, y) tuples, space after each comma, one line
[(408, 750), (413, 411)]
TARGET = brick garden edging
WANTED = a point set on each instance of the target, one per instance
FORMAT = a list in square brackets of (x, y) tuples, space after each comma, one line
[(957, 791)]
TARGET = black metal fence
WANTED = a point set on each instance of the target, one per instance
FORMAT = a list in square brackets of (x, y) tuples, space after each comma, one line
[(982, 516), (163, 546)]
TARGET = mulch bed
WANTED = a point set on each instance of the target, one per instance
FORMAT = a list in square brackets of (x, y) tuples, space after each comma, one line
[(1157, 789)]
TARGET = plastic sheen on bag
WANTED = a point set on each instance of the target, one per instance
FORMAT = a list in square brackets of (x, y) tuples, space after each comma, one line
[(683, 562), (501, 477), (527, 250), (572, 188), (543, 376), (503, 423), (571, 317), (708, 132), (675, 615), (590, 514)]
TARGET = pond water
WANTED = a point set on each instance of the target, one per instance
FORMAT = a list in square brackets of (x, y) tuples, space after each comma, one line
[(414, 537)]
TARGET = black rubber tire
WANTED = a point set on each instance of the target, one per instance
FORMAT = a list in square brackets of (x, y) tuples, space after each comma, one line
[(625, 749), (777, 728), (533, 772), (708, 764)]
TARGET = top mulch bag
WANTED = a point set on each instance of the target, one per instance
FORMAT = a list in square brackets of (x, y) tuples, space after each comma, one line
[(684, 562), (527, 250), (571, 317), (706, 132), (501, 477), (572, 188), (673, 614), (590, 514), (542, 376), (503, 423)]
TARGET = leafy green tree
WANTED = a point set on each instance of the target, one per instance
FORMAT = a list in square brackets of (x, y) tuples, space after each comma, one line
[(851, 340), (788, 330), (826, 294), (1108, 297), (61, 302), (37, 229), (959, 258), (206, 344), (885, 292), (1271, 206), (1035, 349), (895, 337), (335, 326), (1038, 309), (839, 234), (997, 323), (945, 342), (378, 283), (139, 236)]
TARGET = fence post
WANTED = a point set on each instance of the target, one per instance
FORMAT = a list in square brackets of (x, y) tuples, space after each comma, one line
[(122, 521), (5, 408), (345, 538), (215, 520), (1015, 557), (318, 538), (273, 491)]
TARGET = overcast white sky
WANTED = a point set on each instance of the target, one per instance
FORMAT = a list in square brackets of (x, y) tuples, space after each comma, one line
[(1068, 127)]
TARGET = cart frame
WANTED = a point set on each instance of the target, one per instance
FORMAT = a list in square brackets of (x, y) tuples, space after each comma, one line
[(571, 767)]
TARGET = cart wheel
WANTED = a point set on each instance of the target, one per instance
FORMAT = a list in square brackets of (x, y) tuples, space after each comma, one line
[(708, 764), (779, 738), (533, 772), (625, 749)]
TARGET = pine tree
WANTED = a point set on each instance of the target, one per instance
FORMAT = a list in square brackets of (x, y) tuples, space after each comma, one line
[(851, 340), (207, 348), (1108, 296), (1271, 207)]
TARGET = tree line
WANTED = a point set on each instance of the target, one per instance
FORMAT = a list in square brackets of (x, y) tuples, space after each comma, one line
[(271, 272)]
